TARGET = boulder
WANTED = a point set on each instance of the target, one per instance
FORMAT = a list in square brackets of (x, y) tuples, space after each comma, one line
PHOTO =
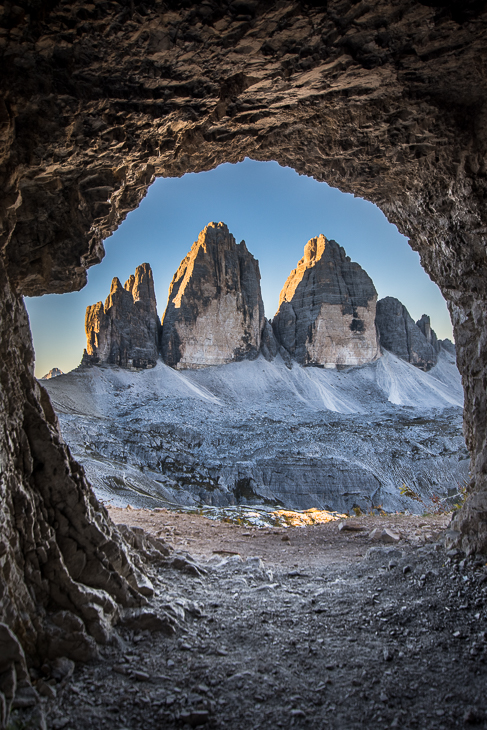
[(401, 336), (326, 312), (125, 330), (215, 313)]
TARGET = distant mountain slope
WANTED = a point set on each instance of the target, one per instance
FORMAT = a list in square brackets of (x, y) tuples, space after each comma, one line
[(257, 431)]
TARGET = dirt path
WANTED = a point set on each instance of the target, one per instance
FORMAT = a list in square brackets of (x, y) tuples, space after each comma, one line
[(314, 546), (327, 630)]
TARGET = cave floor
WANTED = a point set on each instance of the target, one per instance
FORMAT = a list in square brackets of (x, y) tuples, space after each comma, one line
[(326, 629)]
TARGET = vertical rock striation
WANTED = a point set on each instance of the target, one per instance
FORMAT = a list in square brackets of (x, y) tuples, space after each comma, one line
[(415, 343), (326, 312), (215, 312), (424, 325), (125, 330)]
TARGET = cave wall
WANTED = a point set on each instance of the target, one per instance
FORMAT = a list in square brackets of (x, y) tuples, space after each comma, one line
[(385, 100)]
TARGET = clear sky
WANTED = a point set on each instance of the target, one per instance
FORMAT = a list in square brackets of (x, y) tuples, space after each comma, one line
[(275, 210)]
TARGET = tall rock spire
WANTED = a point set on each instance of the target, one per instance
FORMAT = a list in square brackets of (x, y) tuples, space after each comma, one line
[(326, 312), (415, 343), (125, 330), (214, 313)]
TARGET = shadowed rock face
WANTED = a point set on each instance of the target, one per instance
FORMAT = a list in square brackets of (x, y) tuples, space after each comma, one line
[(424, 325), (326, 312), (400, 335), (214, 313), (124, 331)]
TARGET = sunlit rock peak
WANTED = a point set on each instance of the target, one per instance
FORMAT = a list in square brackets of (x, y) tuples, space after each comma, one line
[(53, 373), (214, 313), (326, 312)]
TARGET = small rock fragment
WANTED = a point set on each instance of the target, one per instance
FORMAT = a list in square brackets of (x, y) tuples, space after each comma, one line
[(389, 536), (45, 689), (350, 526), (62, 668), (387, 654), (141, 676)]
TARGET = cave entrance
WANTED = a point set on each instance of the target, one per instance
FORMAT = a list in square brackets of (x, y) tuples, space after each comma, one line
[(317, 432), (386, 103)]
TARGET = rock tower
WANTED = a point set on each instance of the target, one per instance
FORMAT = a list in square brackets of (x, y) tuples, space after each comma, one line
[(125, 330), (326, 312), (214, 313)]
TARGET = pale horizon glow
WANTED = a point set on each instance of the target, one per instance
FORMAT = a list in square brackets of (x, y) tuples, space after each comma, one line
[(275, 210)]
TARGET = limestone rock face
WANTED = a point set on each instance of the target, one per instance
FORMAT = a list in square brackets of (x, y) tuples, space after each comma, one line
[(448, 345), (326, 312), (125, 330), (53, 373), (400, 335), (214, 313), (424, 325)]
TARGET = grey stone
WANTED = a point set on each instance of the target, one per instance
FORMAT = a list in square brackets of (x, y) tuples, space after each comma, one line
[(269, 344), (401, 336), (62, 668), (148, 620), (326, 312), (125, 330), (215, 313)]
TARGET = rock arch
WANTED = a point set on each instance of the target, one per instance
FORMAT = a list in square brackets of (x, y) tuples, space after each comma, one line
[(382, 99)]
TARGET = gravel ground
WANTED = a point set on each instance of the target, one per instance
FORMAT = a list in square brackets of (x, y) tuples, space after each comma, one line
[(311, 627)]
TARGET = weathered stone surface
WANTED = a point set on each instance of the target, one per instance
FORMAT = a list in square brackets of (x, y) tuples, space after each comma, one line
[(384, 101), (326, 312), (125, 331), (424, 325), (214, 313), (400, 335), (269, 344), (448, 345), (53, 373)]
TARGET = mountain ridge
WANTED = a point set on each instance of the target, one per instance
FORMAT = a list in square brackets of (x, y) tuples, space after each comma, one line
[(328, 313)]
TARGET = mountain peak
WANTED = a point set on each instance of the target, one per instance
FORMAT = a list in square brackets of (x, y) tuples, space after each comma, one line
[(214, 313), (326, 312)]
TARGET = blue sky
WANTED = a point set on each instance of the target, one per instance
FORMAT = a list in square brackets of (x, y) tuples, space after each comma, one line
[(275, 210)]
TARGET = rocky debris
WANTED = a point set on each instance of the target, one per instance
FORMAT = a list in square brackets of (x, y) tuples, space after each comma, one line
[(125, 330), (326, 312), (53, 373), (384, 535), (349, 526), (256, 433), (415, 343), (342, 638), (215, 312)]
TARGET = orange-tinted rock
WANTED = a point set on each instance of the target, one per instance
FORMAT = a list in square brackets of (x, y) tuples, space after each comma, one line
[(326, 312), (214, 313)]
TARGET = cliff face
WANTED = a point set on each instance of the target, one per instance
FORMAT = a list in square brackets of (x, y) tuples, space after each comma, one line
[(326, 312), (415, 343), (214, 313), (125, 330)]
